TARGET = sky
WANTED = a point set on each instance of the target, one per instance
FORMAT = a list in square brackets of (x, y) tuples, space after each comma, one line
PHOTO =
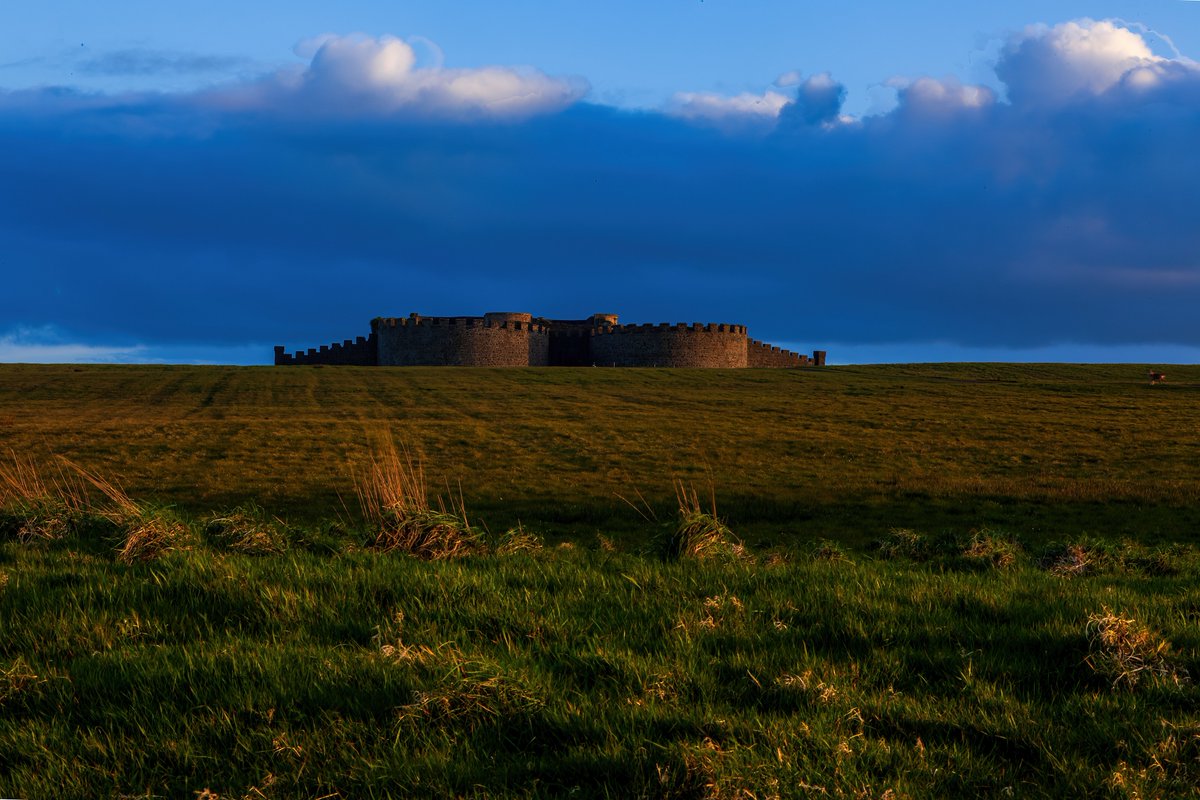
[(925, 181)]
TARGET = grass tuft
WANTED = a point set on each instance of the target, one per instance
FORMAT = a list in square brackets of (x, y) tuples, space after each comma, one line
[(991, 549), (151, 533), (33, 506), (147, 531), (904, 543), (699, 534), (394, 499), (1074, 561), (828, 550), (14, 680), (470, 700), (1077, 559), (1159, 562), (517, 540), (1125, 651), (247, 529)]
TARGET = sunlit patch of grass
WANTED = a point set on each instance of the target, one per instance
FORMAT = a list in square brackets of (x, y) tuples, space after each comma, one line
[(926, 447), (394, 498), (1125, 651)]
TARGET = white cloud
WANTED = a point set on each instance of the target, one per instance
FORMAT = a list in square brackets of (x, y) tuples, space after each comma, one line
[(728, 109), (358, 74), (791, 78), (46, 345), (382, 74), (1051, 65), (816, 100), (931, 95)]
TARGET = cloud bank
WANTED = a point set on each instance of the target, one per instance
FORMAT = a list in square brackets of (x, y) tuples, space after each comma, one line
[(292, 207)]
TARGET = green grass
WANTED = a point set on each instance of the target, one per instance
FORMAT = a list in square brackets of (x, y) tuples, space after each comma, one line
[(580, 670), (959, 581)]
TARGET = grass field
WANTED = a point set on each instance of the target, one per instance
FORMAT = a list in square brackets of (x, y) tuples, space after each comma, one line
[(846, 452), (959, 581)]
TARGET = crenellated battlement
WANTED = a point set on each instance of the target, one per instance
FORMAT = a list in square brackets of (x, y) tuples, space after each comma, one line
[(510, 338), (415, 321), (360, 351), (695, 327)]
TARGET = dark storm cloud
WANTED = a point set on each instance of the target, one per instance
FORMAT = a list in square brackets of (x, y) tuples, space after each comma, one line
[(294, 208)]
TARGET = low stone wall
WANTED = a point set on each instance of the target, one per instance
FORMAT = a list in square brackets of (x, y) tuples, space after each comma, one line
[(360, 352), (761, 354)]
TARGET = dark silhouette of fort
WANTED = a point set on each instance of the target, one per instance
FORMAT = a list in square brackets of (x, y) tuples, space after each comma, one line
[(509, 339)]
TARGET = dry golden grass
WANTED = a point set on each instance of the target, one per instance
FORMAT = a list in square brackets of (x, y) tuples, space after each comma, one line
[(1074, 561), (42, 507), (1125, 652), (146, 532), (247, 529), (394, 498), (992, 549), (15, 679)]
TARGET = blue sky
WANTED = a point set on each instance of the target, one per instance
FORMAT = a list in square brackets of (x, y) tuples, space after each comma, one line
[(917, 181)]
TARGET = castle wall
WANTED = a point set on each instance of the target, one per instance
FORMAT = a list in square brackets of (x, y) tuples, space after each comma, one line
[(507, 316), (570, 348), (761, 354), (667, 345), (518, 339), (460, 342), (360, 352)]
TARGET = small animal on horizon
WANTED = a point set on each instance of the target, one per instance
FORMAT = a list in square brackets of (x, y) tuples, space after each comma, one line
[(1157, 377)]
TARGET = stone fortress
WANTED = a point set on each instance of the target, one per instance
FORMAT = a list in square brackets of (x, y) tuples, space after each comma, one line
[(510, 339)]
